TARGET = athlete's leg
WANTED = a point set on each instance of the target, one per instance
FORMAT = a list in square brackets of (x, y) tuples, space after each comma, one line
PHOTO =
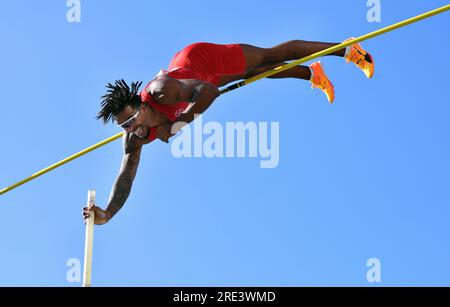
[(299, 72), (292, 50), (224, 80), (318, 79)]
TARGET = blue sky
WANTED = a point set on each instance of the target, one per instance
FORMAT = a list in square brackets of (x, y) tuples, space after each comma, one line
[(365, 178)]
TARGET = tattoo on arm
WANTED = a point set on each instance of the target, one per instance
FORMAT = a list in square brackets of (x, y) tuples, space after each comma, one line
[(122, 187), (119, 194)]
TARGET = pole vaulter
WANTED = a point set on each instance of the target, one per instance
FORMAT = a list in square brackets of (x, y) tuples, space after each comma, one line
[(169, 101)]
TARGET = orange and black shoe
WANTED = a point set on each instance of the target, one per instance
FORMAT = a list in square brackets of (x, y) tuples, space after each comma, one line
[(361, 58), (320, 80)]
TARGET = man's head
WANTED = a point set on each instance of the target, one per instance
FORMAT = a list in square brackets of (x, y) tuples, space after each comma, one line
[(123, 105)]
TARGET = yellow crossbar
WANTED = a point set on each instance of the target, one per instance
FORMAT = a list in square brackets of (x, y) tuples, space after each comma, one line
[(248, 81)]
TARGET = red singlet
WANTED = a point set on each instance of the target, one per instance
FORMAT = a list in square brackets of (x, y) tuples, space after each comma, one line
[(202, 61)]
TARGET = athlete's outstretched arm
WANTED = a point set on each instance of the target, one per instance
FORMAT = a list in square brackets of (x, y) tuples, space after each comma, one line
[(122, 186)]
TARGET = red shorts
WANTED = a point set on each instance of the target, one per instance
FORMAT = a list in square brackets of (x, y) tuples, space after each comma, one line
[(210, 61)]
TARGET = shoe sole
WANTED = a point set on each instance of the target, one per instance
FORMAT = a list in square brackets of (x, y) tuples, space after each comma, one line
[(322, 67)]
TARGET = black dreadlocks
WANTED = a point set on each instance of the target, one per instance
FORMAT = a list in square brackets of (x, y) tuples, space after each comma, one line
[(117, 97)]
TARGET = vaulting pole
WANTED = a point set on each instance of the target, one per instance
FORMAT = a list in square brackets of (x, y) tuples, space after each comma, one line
[(89, 242)]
